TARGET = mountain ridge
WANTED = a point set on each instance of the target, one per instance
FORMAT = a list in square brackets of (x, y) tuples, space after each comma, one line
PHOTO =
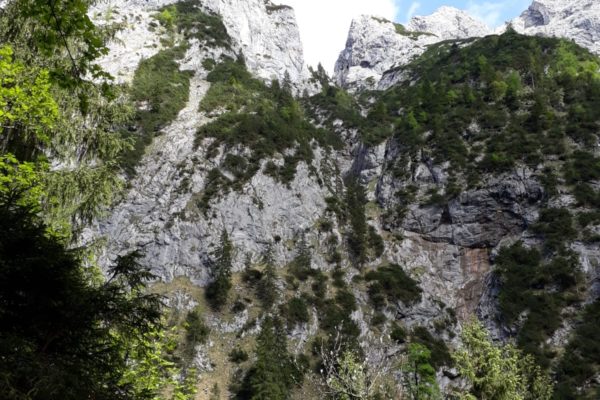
[(361, 66)]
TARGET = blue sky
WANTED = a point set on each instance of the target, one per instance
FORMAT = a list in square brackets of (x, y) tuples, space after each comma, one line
[(324, 24)]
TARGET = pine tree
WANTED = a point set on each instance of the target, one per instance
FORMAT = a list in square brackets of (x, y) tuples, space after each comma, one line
[(62, 335), (268, 284), (272, 375), (218, 290), (355, 209), (301, 265), (58, 44)]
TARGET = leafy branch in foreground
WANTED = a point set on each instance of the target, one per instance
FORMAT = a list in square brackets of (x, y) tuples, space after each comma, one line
[(498, 372)]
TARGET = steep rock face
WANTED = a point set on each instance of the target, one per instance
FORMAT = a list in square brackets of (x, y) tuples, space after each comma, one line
[(136, 39), (159, 213), (267, 36), (578, 20), (500, 207), (375, 45)]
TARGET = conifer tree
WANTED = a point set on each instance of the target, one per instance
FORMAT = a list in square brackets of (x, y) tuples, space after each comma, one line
[(419, 375), (273, 374), (355, 209), (82, 117), (268, 284), (301, 265), (218, 290)]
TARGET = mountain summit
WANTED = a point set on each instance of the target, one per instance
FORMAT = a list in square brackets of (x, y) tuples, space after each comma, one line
[(375, 45)]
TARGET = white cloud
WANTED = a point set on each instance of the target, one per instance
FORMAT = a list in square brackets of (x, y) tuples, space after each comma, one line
[(324, 24), (412, 10)]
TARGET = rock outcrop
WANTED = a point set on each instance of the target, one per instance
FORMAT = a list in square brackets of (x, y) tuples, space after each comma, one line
[(578, 20), (266, 34)]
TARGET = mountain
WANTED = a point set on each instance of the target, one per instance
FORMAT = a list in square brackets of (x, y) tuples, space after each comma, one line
[(467, 185), (572, 19), (265, 33), (375, 45)]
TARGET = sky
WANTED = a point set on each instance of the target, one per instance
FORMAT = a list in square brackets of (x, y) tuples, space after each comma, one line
[(324, 24)]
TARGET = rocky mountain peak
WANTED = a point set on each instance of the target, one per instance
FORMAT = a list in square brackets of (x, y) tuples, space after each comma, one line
[(578, 20), (449, 23), (375, 45)]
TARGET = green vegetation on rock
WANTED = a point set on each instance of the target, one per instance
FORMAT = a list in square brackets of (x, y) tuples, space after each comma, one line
[(539, 290), (160, 90), (265, 121)]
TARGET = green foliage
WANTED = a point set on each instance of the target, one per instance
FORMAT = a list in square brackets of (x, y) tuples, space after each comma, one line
[(188, 19), (34, 126), (73, 120), (375, 242), (150, 372), (398, 334), (418, 374), (390, 284), (295, 312), (351, 380), (63, 27), (20, 182), (301, 264), (274, 372), (335, 316), (491, 105), (498, 372), (161, 90), (335, 104), (166, 17), (196, 330), (266, 120), (27, 108), (539, 288), (237, 356), (267, 289), (357, 234), (63, 334), (440, 355), (579, 363), (584, 167), (218, 290), (556, 226)]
